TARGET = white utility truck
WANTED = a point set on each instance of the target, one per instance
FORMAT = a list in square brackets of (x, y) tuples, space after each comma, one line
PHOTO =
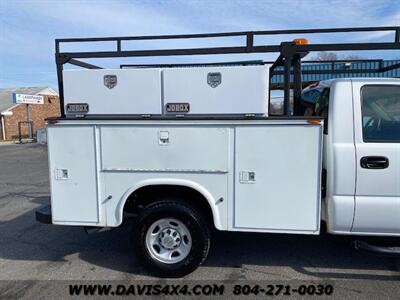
[(186, 148)]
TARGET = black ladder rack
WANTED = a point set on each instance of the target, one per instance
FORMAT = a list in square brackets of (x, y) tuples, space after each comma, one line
[(290, 53)]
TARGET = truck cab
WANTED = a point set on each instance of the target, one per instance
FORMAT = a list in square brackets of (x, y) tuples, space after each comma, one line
[(361, 155)]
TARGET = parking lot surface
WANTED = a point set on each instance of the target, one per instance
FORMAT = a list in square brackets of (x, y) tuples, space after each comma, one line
[(33, 251)]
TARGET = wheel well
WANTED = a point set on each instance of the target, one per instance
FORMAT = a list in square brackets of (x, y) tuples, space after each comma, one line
[(146, 195)]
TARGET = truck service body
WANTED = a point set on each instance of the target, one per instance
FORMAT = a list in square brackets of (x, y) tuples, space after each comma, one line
[(187, 148)]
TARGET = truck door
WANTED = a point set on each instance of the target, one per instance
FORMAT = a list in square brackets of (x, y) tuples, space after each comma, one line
[(377, 142)]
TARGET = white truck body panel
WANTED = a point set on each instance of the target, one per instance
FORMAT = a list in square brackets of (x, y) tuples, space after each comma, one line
[(267, 203), (148, 151), (359, 201), (207, 156), (74, 186), (377, 197), (339, 159)]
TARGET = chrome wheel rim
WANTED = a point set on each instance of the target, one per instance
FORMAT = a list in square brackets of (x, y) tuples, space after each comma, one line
[(168, 240)]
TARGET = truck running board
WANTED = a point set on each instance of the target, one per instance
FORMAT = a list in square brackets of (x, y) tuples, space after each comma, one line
[(95, 229), (379, 250)]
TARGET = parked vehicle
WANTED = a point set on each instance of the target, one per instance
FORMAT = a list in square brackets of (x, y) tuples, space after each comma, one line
[(188, 148)]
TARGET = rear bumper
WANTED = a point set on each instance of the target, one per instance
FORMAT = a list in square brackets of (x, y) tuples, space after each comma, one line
[(43, 214)]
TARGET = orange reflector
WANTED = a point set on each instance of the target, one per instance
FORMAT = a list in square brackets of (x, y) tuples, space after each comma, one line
[(314, 121), (301, 41)]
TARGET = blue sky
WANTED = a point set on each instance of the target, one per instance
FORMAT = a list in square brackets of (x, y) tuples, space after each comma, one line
[(28, 28)]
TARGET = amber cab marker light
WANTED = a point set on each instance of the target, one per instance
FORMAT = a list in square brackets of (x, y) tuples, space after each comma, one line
[(314, 121), (301, 41)]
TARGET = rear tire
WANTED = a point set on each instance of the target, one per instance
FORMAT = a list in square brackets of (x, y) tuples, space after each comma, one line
[(171, 238)]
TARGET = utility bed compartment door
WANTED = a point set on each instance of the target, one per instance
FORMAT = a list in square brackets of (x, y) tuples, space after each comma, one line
[(165, 149), (277, 179), (73, 172)]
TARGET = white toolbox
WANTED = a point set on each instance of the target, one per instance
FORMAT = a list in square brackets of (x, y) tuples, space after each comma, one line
[(218, 90), (113, 92), (172, 91)]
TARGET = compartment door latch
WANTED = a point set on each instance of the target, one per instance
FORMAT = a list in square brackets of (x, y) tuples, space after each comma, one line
[(247, 177), (61, 174), (163, 137)]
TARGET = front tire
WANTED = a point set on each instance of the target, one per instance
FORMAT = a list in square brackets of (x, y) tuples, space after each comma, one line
[(172, 239)]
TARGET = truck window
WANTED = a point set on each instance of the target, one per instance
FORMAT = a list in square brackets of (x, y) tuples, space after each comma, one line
[(316, 102), (380, 105)]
